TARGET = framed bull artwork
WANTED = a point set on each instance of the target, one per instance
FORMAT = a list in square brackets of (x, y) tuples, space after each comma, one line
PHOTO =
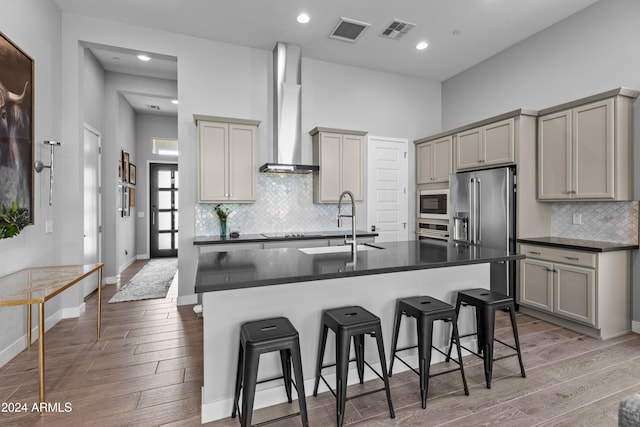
[(16, 127)]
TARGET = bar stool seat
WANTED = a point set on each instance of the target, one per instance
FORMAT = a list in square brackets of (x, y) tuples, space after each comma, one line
[(486, 303), (260, 337), (425, 310), (346, 323)]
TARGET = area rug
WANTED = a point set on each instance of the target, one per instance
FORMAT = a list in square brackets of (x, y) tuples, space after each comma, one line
[(152, 281)]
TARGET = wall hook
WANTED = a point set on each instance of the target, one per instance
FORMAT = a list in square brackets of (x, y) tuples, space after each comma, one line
[(38, 166)]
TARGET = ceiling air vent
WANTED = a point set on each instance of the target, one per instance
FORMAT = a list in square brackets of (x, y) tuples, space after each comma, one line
[(397, 29), (153, 107), (348, 30)]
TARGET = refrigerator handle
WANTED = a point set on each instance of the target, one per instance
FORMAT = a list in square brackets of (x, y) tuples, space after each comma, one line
[(477, 206), (474, 202)]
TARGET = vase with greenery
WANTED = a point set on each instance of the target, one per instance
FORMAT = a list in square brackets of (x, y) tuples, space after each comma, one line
[(223, 214), (12, 220)]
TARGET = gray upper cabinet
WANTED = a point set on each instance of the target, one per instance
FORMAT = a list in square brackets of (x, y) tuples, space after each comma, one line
[(227, 159), (584, 149), (434, 161), (340, 157), (485, 146)]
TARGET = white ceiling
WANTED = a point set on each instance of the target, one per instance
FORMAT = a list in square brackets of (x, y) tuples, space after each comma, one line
[(460, 33)]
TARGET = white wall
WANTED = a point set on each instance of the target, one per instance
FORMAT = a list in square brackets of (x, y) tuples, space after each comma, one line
[(93, 91), (149, 126), (590, 52), (36, 28)]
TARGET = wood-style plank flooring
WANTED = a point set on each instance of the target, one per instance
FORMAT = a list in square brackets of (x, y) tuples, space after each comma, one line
[(146, 370)]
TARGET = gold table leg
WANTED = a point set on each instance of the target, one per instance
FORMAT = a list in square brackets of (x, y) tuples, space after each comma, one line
[(29, 326), (41, 347), (99, 299)]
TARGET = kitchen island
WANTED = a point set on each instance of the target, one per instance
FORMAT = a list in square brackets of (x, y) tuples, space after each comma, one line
[(244, 285)]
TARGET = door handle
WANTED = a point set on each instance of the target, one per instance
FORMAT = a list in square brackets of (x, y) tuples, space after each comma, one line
[(373, 228)]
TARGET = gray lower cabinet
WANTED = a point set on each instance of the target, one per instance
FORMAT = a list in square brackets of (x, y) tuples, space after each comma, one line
[(584, 291)]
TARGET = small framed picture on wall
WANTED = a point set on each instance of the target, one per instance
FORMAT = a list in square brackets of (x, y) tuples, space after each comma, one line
[(125, 166), (132, 173)]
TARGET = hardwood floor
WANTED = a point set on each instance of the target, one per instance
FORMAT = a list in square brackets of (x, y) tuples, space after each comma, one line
[(146, 370)]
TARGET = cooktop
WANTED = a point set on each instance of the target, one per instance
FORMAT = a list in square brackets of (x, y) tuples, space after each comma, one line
[(291, 235)]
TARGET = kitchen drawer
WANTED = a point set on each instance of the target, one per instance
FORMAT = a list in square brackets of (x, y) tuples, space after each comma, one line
[(565, 256)]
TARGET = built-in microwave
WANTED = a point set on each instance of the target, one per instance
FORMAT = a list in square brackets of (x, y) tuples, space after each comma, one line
[(434, 204)]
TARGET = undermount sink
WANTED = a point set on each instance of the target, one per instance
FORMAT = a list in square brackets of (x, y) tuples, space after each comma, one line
[(337, 249)]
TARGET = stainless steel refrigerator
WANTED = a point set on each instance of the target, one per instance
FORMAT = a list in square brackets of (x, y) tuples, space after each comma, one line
[(482, 210)]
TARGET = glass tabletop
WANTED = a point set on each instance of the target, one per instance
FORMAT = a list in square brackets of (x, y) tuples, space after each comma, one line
[(39, 284)]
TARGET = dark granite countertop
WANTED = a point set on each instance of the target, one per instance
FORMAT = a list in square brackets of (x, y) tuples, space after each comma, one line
[(272, 237), (577, 244), (218, 271)]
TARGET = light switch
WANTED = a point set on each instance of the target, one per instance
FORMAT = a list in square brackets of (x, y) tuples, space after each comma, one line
[(577, 219), (48, 226)]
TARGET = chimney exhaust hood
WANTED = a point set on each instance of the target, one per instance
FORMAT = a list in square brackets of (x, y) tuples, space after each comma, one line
[(287, 139)]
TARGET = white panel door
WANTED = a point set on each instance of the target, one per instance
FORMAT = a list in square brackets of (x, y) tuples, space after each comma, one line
[(387, 202), (92, 204)]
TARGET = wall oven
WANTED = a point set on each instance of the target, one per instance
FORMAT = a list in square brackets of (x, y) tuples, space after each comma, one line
[(433, 230), (434, 204)]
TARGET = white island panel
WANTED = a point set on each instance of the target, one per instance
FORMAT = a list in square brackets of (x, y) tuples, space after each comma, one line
[(302, 303)]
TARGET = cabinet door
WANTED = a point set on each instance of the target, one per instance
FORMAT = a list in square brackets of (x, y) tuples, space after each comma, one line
[(352, 165), (498, 144), (536, 284), (442, 159), (554, 156), (424, 167), (593, 151), (469, 148), (212, 142), (575, 292), (329, 153), (242, 163)]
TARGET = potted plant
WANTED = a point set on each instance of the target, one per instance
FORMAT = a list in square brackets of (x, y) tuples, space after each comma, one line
[(12, 220), (223, 214)]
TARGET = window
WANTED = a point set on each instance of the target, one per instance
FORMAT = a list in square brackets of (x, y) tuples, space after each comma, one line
[(165, 146)]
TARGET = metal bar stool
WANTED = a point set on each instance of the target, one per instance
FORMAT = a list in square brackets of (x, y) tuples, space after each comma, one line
[(264, 336), (487, 303), (425, 310), (348, 322)]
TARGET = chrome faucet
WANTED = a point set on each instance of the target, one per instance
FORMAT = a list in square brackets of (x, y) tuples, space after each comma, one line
[(351, 242)]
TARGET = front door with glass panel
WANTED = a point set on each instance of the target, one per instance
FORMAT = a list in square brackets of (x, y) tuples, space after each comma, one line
[(164, 210)]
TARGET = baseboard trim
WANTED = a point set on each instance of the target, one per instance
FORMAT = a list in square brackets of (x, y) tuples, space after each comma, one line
[(112, 280), (188, 299), (142, 256), (68, 313), (127, 264), (20, 344)]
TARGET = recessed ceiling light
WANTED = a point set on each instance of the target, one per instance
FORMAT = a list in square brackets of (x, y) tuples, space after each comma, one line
[(422, 45), (143, 57), (174, 101), (303, 18)]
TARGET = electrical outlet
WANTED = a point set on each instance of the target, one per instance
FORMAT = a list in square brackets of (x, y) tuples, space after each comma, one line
[(48, 226), (577, 219)]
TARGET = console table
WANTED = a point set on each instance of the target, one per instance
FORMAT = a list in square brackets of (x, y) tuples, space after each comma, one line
[(38, 285)]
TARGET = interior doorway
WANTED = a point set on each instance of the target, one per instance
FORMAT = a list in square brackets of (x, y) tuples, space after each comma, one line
[(387, 207), (163, 202), (92, 204)]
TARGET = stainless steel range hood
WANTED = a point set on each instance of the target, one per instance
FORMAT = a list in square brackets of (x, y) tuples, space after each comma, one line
[(287, 138)]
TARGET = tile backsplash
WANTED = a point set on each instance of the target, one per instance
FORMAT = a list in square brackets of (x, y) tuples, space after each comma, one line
[(284, 203), (601, 221)]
